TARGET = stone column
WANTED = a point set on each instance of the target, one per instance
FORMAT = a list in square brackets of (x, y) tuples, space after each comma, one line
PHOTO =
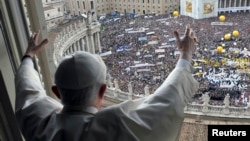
[(226, 106), (206, 100), (245, 4), (98, 42), (68, 51), (116, 84), (230, 2), (87, 44), (108, 80), (82, 44), (73, 48), (146, 90), (78, 45), (130, 91), (220, 4), (92, 44), (225, 4)]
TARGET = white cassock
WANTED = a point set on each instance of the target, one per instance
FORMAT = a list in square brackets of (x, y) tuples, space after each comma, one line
[(157, 117)]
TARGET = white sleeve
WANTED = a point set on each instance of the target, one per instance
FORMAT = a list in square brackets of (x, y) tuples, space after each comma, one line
[(159, 116), (29, 88)]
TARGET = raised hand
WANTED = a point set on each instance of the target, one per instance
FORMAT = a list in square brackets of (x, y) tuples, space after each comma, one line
[(33, 46), (186, 45)]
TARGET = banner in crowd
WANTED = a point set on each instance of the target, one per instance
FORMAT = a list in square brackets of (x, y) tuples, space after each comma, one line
[(141, 70), (199, 9), (222, 23), (166, 46), (159, 63), (150, 33), (163, 19), (121, 35), (161, 56), (156, 77), (171, 39), (159, 50), (129, 29), (137, 62), (142, 38), (123, 48), (152, 42), (136, 31), (142, 65), (148, 55)]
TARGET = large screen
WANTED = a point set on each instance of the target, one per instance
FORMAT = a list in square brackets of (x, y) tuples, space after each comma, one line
[(199, 9)]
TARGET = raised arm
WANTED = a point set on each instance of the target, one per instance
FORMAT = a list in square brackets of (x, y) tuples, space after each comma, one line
[(159, 116), (31, 98)]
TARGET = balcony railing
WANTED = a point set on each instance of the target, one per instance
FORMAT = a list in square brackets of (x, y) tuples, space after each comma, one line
[(197, 109)]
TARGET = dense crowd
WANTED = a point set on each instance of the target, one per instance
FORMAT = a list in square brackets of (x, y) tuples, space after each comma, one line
[(142, 52)]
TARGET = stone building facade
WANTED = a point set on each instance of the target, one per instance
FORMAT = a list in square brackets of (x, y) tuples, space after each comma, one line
[(78, 7), (79, 35), (53, 12)]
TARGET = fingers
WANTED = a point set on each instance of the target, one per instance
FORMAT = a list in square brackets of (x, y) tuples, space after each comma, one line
[(187, 31), (177, 37), (191, 32), (193, 35), (196, 40), (30, 39), (43, 43), (36, 36)]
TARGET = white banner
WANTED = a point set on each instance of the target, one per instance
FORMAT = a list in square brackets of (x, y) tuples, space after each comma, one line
[(152, 42), (150, 33), (163, 19), (140, 70), (120, 35), (137, 62), (171, 39), (161, 56), (166, 46), (156, 77), (222, 23), (128, 29), (148, 55), (142, 65), (159, 63), (135, 31), (159, 50), (163, 44)]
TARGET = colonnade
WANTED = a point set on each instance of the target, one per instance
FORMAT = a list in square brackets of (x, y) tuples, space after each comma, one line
[(234, 5), (77, 36)]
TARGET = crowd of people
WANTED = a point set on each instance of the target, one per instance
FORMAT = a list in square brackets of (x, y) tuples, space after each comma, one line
[(142, 51)]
